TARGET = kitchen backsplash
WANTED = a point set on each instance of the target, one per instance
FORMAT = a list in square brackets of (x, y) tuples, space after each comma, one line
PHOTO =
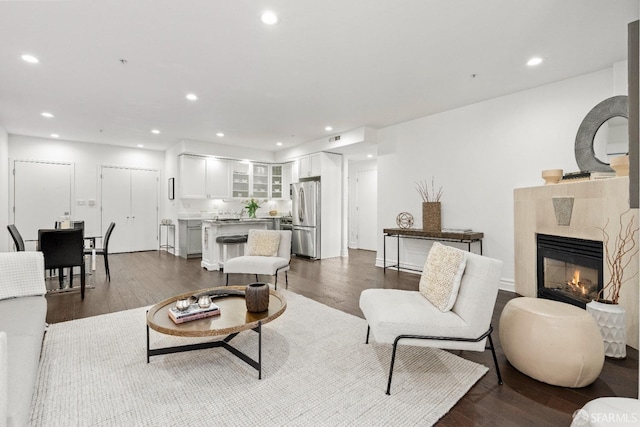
[(230, 208)]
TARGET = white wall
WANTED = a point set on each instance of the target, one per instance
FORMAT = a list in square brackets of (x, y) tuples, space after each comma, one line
[(87, 159), (5, 244), (480, 153)]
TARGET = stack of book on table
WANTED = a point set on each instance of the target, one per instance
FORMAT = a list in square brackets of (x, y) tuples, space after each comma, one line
[(194, 312)]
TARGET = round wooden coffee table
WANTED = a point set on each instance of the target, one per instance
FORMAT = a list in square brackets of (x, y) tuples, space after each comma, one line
[(233, 319)]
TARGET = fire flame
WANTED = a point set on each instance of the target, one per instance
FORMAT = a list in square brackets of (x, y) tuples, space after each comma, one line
[(576, 282), (576, 277)]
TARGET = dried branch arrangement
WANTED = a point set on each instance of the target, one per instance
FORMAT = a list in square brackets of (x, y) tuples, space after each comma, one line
[(623, 250), (426, 194)]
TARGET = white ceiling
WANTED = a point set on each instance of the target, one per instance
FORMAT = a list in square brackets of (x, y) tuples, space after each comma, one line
[(344, 63)]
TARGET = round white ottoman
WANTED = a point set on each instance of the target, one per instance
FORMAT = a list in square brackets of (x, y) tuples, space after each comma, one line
[(551, 341)]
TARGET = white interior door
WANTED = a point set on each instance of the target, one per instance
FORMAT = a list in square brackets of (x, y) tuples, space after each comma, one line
[(42, 192), (366, 208), (144, 210), (116, 206), (130, 199)]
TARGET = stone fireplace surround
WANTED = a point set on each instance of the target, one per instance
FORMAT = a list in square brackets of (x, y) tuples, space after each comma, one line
[(594, 203)]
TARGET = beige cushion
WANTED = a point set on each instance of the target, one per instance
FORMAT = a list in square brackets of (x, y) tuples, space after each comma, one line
[(263, 243), (441, 276), (551, 341)]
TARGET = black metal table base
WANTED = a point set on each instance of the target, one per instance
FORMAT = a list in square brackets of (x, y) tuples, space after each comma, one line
[(255, 364), (468, 242)]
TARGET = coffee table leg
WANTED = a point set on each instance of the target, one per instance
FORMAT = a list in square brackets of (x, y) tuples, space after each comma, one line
[(148, 355), (259, 350)]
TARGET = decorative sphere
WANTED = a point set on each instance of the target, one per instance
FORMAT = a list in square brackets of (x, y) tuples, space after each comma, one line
[(404, 220)]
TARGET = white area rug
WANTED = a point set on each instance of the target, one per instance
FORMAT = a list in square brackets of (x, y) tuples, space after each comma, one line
[(317, 370)]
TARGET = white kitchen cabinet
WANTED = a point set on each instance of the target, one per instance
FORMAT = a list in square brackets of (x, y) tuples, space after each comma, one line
[(240, 179), (295, 171), (190, 245), (287, 179), (277, 184), (310, 165), (259, 180), (203, 177), (218, 178), (192, 179)]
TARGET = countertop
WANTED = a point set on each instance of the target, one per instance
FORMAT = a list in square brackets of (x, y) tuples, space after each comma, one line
[(239, 221)]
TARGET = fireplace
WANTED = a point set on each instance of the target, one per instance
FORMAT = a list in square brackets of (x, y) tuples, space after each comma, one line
[(569, 269)]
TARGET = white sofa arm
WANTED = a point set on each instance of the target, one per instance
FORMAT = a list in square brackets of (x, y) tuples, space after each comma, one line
[(4, 383), (21, 274)]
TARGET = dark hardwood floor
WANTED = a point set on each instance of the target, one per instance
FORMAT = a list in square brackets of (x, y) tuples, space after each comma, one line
[(144, 278)]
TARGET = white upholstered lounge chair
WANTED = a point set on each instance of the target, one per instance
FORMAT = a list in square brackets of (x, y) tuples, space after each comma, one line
[(407, 317), (268, 252)]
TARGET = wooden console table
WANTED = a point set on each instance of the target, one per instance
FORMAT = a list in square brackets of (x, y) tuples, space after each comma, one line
[(441, 236)]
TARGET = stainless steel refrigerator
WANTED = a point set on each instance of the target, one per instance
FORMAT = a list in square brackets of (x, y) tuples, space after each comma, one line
[(305, 202)]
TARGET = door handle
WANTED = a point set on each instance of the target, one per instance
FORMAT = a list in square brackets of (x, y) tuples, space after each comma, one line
[(301, 207)]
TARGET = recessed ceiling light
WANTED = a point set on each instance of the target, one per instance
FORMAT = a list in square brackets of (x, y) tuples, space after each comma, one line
[(30, 59), (279, 144), (155, 131), (47, 115), (369, 155), (140, 145), (192, 97), (269, 18), (328, 128), (534, 61), (220, 134), (55, 135)]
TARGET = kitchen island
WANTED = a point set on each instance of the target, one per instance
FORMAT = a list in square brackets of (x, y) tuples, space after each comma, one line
[(213, 254)]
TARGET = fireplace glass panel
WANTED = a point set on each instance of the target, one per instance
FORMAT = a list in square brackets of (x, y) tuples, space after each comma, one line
[(574, 281)]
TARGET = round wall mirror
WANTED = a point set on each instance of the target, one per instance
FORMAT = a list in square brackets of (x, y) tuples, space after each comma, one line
[(612, 139), (603, 134)]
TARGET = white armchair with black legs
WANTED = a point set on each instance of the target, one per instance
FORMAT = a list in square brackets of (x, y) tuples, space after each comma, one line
[(452, 310), (268, 252)]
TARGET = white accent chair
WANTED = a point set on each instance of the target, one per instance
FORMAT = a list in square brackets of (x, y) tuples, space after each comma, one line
[(407, 317), (266, 265)]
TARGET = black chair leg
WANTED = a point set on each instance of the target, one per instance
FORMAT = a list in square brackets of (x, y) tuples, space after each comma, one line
[(61, 277), (275, 283), (393, 359), (71, 277), (82, 280), (286, 279), (257, 280), (106, 266), (495, 360), (368, 330), (227, 283)]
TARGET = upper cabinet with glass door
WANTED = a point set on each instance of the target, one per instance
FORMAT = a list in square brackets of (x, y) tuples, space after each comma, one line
[(240, 180), (260, 181), (276, 182)]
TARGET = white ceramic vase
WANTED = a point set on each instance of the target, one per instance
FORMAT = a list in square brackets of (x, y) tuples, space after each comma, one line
[(611, 319)]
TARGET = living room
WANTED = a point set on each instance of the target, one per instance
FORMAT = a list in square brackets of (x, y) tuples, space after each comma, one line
[(479, 151)]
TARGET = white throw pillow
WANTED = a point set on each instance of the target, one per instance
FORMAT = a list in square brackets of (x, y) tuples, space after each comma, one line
[(441, 276), (263, 243)]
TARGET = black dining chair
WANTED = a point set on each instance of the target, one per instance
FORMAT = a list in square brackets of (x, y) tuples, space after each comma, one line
[(104, 250), (17, 238), (63, 249)]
